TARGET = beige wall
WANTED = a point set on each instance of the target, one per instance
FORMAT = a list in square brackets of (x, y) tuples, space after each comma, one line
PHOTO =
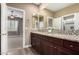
[(67, 10), (46, 13)]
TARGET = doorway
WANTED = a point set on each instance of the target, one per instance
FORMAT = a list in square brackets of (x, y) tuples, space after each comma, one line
[(9, 28), (15, 27)]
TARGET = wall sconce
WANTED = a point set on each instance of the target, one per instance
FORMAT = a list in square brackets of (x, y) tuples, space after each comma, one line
[(35, 14)]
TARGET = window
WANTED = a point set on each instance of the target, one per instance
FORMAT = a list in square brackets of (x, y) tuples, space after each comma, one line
[(12, 25)]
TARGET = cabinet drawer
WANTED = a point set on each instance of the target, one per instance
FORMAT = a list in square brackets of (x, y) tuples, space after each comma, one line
[(47, 47), (36, 35), (66, 51), (55, 40), (71, 45)]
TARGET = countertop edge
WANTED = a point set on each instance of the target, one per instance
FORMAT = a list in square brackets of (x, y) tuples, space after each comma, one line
[(64, 37)]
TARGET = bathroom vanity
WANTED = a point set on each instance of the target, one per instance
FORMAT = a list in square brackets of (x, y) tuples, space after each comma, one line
[(65, 37), (55, 44)]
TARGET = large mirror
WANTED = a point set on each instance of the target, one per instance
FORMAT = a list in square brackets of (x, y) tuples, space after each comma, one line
[(35, 22), (41, 22), (51, 20), (38, 21)]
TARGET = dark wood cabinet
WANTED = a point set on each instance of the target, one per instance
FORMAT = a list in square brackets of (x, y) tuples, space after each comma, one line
[(38, 45), (53, 40), (46, 45), (35, 41), (71, 45), (47, 48)]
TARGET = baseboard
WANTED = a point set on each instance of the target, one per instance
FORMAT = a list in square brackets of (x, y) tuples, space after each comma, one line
[(3, 53), (27, 46)]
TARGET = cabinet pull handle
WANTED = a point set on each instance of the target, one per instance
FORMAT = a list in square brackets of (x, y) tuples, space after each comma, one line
[(51, 46), (71, 45), (55, 47)]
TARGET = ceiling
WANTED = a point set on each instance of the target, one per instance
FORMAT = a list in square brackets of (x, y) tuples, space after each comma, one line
[(57, 6), (38, 4)]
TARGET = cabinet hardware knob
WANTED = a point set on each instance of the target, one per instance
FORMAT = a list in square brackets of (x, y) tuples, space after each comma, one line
[(55, 47), (51, 46), (71, 45)]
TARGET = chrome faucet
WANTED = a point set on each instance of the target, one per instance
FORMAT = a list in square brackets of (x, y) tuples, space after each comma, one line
[(75, 32)]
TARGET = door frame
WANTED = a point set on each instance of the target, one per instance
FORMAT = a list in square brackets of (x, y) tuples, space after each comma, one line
[(23, 45), (4, 45)]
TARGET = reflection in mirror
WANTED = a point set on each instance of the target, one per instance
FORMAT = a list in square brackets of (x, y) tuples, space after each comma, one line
[(50, 22), (35, 22), (12, 25), (41, 22), (38, 22), (63, 25)]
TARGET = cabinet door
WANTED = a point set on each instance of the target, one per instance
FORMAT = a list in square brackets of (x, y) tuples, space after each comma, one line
[(60, 50), (74, 46), (33, 41), (38, 48), (47, 48), (53, 49)]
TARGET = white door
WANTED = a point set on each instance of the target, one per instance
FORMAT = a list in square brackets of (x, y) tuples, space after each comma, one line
[(3, 28)]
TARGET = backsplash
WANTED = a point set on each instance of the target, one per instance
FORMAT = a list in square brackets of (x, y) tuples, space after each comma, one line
[(59, 31), (66, 32)]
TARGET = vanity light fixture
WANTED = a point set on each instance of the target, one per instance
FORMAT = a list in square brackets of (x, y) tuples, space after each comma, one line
[(34, 14)]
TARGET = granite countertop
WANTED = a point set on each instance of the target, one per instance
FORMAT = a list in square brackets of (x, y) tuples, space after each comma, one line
[(62, 36)]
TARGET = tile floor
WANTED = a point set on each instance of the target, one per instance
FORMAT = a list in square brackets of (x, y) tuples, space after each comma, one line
[(15, 41), (21, 51)]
